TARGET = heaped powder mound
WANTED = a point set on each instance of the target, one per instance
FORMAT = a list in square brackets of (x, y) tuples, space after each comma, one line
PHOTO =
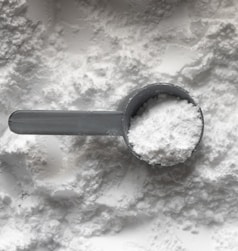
[(165, 131)]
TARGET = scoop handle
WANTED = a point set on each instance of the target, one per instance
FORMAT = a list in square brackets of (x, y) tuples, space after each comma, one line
[(66, 122)]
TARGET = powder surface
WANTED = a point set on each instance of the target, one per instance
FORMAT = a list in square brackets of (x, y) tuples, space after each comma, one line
[(71, 193), (165, 131)]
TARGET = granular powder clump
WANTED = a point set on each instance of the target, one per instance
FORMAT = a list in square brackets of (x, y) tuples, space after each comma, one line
[(165, 130)]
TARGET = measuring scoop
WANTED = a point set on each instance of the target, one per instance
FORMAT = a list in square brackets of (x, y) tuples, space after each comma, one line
[(117, 123)]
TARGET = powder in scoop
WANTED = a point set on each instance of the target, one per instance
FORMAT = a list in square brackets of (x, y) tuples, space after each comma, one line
[(165, 130)]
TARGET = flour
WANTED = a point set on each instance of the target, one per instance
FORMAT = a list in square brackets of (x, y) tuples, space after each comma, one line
[(165, 131), (89, 193)]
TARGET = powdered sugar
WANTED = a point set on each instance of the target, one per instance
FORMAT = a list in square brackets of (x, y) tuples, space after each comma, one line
[(165, 131), (86, 55)]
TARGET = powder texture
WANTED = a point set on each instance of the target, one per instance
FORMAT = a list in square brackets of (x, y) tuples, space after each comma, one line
[(76, 193), (165, 131)]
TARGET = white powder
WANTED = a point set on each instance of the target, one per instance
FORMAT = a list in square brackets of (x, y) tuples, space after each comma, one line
[(75, 193), (165, 131)]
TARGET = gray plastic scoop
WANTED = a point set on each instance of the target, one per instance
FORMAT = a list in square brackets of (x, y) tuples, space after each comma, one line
[(94, 122)]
